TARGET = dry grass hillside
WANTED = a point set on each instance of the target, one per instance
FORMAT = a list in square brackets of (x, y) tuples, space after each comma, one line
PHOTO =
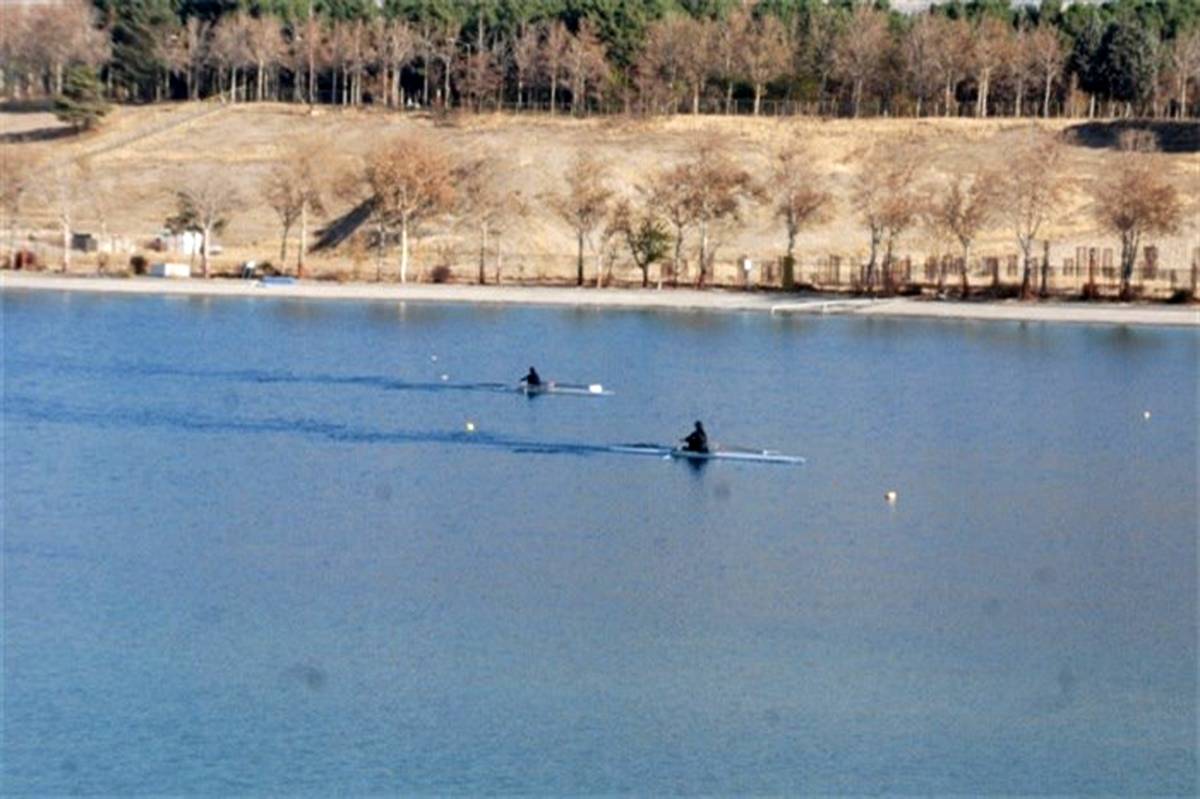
[(142, 154)]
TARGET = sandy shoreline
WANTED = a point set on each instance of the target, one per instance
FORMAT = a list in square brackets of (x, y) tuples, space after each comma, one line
[(674, 299)]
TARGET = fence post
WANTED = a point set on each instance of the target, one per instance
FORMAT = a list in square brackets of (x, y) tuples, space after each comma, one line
[(1091, 284)]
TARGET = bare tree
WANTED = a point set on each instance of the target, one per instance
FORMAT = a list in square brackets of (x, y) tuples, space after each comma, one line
[(858, 57), (396, 46), (585, 65), (1185, 64), (1047, 56), (63, 190), (584, 202), (669, 191), (228, 50), (1134, 202), (19, 168), (801, 198), (265, 46), (961, 210), (954, 58), (718, 190), (485, 202), (922, 58), (205, 206), (409, 181), (524, 58), (728, 41), (886, 196), (663, 65), (991, 44), (553, 53), (1032, 189), (767, 55), (294, 190)]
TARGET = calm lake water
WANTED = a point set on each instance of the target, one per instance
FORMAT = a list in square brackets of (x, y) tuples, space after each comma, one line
[(248, 547)]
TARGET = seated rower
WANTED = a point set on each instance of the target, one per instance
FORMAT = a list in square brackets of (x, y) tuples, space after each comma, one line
[(697, 440), (533, 379)]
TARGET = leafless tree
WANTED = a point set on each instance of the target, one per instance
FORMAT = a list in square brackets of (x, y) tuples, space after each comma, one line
[(585, 64), (719, 190), (206, 206), (728, 40), (228, 50), (859, 54), (991, 46), (922, 58), (524, 58), (487, 203), (1031, 190), (954, 58), (961, 209), (767, 55), (409, 181), (584, 201), (1185, 64), (265, 46), (396, 46), (553, 54), (19, 166), (887, 198), (669, 191), (295, 189), (63, 188), (1047, 55), (663, 65), (800, 196), (1135, 202)]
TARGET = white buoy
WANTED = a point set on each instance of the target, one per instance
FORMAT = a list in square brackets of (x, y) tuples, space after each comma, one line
[(433, 358), (470, 427), (596, 388), (890, 496), (445, 377), (1145, 414)]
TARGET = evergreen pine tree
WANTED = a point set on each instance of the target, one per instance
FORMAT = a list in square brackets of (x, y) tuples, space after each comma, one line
[(82, 103)]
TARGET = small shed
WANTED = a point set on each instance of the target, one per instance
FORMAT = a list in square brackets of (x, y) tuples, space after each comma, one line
[(170, 270)]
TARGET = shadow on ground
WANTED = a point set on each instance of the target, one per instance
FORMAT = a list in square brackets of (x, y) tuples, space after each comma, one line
[(1170, 136)]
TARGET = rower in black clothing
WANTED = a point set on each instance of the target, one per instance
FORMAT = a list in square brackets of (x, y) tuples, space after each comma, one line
[(697, 440), (533, 379)]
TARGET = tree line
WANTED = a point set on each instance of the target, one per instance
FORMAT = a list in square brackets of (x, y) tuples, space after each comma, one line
[(671, 223), (842, 57)]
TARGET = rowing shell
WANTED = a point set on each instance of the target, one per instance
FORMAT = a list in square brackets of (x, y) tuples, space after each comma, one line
[(719, 454), (570, 389)]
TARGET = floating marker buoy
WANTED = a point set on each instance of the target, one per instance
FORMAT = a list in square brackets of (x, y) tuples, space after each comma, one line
[(433, 358), (445, 377), (470, 427), (890, 496), (1145, 414), (596, 388)]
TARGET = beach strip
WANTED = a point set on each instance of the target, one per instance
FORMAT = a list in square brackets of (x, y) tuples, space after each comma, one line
[(1107, 313)]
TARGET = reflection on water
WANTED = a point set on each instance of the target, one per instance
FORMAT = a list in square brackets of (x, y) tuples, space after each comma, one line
[(249, 547)]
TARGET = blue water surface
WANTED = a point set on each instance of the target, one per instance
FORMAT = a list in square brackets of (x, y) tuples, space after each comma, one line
[(250, 547)]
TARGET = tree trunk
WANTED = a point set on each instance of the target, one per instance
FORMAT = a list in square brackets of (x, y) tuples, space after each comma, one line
[(758, 91), (703, 255), (1045, 292), (981, 108), (381, 252), (966, 269), (949, 95), (403, 249), (1026, 270), (206, 234), (283, 246), (1046, 97), (579, 262), (303, 241), (696, 98), (788, 278), (483, 253), (65, 228)]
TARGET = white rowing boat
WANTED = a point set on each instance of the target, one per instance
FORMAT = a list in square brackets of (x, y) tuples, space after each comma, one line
[(569, 389), (716, 454)]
